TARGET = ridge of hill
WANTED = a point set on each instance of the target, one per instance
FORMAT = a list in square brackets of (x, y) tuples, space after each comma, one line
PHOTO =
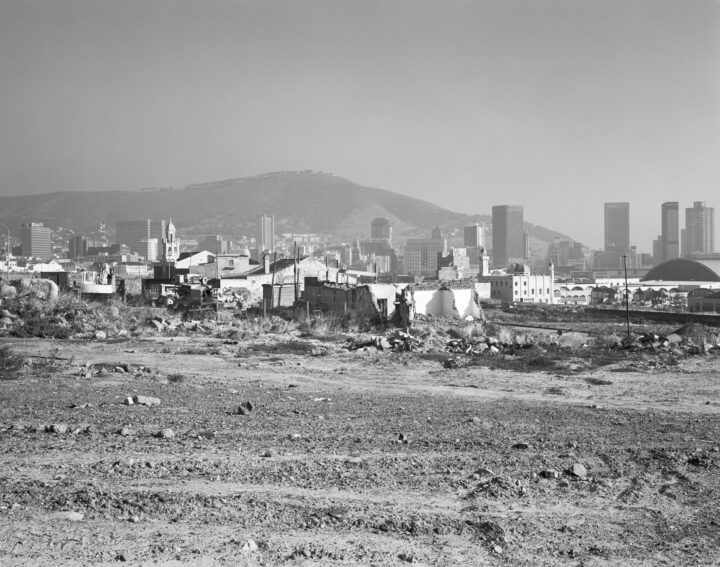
[(301, 202)]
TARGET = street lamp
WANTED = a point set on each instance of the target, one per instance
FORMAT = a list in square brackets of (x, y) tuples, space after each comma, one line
[(7, 252)]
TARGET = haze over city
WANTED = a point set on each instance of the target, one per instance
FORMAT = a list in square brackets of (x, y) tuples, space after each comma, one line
[(559, 106)]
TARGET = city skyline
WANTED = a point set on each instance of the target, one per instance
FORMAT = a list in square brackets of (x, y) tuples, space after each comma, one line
[(455, 102)]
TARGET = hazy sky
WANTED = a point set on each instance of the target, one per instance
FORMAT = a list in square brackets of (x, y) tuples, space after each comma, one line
[(559, 106)]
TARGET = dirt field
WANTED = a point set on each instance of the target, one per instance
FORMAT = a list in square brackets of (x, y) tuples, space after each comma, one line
[(351, 457)]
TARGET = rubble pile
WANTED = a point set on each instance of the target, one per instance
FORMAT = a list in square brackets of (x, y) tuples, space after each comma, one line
[(399, 341), (693, 343)]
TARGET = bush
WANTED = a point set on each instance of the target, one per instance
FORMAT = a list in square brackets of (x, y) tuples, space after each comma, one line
[(11, 364), (538, 361)]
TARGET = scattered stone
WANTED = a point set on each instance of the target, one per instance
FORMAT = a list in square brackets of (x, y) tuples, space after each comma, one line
[(497, 549), (406, 557), (125, 431), (114, 311), (578, 470), (56, 428), (119, 369), (563, 484), (402, 438), (549, 473), (128, 401), (146, 401), (69, 516), (134, 519), (521, 446), (100, 335), (165, 434), (266, 454), (250, 545), (245, 408)]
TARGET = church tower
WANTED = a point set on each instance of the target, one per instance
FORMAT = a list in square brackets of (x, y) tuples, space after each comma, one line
[(171, 246)]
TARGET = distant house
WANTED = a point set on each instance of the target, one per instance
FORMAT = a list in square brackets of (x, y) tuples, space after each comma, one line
[(703, 301), (284, 274)]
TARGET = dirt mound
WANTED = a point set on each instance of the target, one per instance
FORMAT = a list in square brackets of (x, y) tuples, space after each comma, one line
[(696, 331)]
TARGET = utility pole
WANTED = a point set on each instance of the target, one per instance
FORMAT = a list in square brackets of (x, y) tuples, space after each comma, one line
[(627, 296)]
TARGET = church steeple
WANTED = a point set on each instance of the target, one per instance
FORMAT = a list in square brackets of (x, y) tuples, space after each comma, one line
[(171, 246)]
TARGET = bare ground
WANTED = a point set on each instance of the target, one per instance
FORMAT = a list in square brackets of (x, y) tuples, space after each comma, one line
[(316, 473)]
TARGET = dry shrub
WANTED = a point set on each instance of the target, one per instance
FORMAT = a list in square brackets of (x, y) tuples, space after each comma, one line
[(11, 364), (598, 381), (536, 361), (331, 325), (476, 330), (505, 336), (572, 341), (608, 341)]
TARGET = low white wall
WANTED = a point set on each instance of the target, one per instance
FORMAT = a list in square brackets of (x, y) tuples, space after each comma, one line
[(440, 302)]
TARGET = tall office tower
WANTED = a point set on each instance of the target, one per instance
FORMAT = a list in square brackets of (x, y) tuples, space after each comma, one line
[(421, 254), (700, 229), (474, 236), (214, 244), (265, 238), (617, 227), (35, 241), (143, 237), (508, 238), (78, 247), (381, 228), (657, 253), (670, 235)]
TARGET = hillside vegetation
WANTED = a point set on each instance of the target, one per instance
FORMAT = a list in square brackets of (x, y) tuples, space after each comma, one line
[(301, 202)]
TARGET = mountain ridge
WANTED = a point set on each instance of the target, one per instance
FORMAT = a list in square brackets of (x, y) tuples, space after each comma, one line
[(301, 202)]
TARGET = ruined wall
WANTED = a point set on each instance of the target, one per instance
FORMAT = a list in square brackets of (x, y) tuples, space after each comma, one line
[(388, 293), (450, 303), (483, 290)]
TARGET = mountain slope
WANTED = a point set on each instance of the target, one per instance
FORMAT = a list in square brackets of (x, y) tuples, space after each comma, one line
[(301, 202)]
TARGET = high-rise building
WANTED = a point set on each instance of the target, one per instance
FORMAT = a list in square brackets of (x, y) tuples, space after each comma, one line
[(617, 227), (381, 228), (670, 235), (265, 239), (143, 237), (78, 247), (214, 244), (700, 229), (474, 236), (35, 241), (421, 254), (509, 241)]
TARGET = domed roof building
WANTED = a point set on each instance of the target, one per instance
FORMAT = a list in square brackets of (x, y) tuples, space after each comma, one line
[(685, 270)]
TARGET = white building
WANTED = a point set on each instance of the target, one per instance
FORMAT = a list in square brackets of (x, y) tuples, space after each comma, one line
[(521, 287)]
